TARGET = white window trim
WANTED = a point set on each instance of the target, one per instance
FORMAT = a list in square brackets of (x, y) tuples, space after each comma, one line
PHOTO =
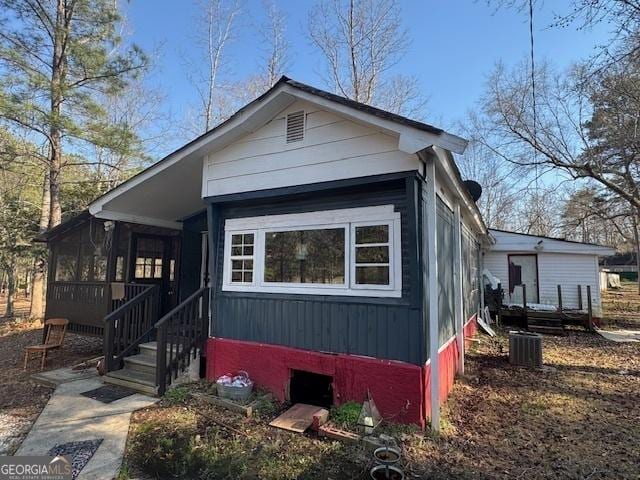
[(328, 219), (228, 257), (394, 255)]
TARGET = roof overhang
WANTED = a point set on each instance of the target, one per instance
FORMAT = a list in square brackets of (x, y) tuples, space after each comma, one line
[(171, 190), (514, 242), (447, 166)]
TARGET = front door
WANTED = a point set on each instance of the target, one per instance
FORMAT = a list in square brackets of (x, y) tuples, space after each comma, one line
[(523, 270), (155, 262)]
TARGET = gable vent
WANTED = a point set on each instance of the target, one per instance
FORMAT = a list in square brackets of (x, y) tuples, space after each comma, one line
[(295, 126)]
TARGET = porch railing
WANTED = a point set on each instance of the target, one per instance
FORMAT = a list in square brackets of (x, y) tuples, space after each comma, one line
[(130, 324), (180, 333), (131, 290)]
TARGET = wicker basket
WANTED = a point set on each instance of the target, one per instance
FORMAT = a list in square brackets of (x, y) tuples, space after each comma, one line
[(238, 394)]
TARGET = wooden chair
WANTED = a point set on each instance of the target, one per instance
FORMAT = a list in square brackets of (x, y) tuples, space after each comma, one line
[(56, 328)]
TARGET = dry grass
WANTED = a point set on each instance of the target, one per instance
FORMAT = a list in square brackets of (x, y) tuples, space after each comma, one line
[(622, 306), (579, 418)]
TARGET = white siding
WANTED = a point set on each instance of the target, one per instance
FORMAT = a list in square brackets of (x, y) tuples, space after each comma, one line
[(565, 269), (497, 264), (333, 148), (569, 271)]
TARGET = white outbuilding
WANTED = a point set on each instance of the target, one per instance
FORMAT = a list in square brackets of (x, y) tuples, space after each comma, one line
[(542, 263)]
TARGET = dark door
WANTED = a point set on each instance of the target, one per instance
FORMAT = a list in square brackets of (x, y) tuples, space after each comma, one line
[(155, 261)]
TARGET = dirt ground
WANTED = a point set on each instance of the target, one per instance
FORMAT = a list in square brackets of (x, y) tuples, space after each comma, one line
[(22, 400), (578, 418)]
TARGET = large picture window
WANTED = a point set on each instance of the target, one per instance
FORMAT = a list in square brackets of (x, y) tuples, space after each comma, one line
[(305, 256), (340, 252)]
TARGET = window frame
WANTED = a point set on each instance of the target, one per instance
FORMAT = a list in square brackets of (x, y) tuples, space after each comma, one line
[(262, 258), (391, 241), (230, 258), (347, 219)]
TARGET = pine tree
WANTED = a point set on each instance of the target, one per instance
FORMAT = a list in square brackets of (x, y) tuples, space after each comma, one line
[(57, 58)]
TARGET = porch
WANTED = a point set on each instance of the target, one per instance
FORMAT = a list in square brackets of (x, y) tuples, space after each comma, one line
[(124, 282)]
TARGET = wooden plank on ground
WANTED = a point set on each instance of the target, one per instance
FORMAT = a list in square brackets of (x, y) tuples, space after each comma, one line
[(246, 410), (297, 419), (330, 431)]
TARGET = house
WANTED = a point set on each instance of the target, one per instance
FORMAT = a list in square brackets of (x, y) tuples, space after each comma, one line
[(542, 264), (324, 246)]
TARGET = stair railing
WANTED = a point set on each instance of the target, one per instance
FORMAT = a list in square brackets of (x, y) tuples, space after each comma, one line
[(181, 332), (129, 325)]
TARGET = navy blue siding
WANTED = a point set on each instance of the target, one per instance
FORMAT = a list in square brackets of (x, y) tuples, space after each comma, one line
[(445, 252), (424, 266), (191, 254), (471, 274), (389, 328)]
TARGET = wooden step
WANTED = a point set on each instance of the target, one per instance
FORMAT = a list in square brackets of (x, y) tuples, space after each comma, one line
[(545, 322), (546, 329), (143, 363), (135, 380), (151, 348)]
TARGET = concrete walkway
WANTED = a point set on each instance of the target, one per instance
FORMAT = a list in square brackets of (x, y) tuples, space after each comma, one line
[(71, 417)]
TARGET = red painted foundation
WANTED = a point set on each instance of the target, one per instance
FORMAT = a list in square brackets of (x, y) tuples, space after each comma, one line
[(396, 387), (448, 363), (401, 390)]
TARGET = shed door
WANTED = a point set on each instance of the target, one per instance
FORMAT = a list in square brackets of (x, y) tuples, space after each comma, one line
[(523, 270)]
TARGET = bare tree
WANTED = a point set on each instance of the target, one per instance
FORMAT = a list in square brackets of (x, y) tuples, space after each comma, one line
[(216, 30), (585, 126), (275, 58), (501, 186), (361, 40), (591, 216), (623, 16)]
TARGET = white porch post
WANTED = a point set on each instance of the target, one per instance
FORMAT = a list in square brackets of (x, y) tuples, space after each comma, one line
[(458, 297), (432, 288)]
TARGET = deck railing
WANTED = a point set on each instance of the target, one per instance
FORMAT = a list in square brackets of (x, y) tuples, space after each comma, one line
[(131, 290), (180, 333), (130, 324)]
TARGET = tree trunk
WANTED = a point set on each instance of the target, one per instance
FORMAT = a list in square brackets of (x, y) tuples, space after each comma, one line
[(38, 280), (637, 245), (11, 287), (27, 283), (55, 166), (58, 75)]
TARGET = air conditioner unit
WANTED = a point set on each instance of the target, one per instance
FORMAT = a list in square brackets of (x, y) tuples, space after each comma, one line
[(525, 349)]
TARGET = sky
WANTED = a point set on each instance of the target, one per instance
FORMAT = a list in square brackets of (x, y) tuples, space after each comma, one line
[(454, 46)]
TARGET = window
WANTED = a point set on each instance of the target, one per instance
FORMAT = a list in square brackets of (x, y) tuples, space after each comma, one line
[(119, 268), (242, 245), (371, 252), (342, 252), (66, 262), (80, 256), (149, 254), (93, 264), (148, 267), (305, 256)]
